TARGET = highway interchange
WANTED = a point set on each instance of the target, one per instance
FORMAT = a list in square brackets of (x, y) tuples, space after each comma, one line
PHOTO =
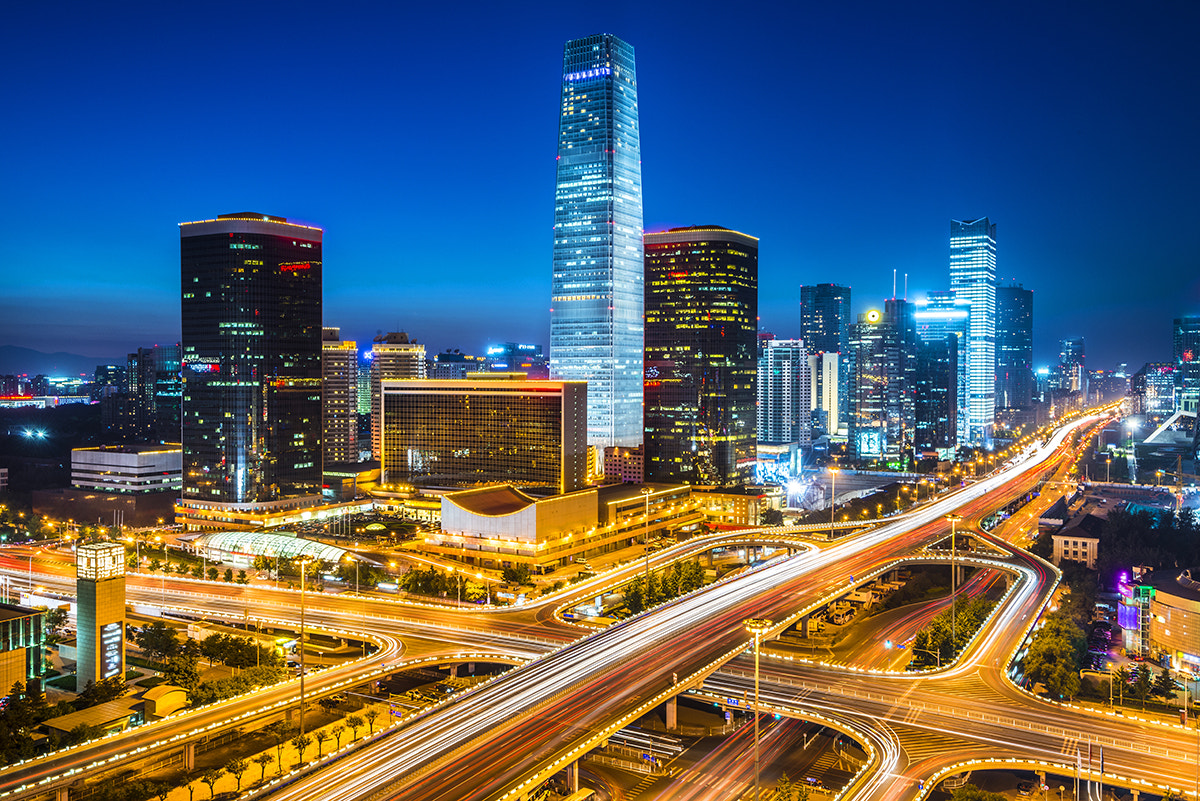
[(505, 737)]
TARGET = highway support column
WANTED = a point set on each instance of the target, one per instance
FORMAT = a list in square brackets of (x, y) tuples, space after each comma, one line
[(573, 777), (673, 713), (61, 794), (189, 756)]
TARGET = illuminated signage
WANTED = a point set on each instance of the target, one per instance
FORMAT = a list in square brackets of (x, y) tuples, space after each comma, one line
[(111, 646), (291, 268), (599, 72)]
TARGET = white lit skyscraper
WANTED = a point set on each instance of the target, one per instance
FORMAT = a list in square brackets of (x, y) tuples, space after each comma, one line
[(973, 278), (596, 325)]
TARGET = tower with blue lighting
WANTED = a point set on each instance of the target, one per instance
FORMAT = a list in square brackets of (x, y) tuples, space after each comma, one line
[(973, 279), (596, 316)]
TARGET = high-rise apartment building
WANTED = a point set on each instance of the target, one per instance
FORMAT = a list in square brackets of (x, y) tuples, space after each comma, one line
[(1186, 341), (973, 278), (339, 398), (393, 357), (493, 428), (701, 355), (596, 314), (825, 321), (1153, 389), (785, 394), (941, 314), (251, 286), (517, 357), (1014, 347), (825, 372)]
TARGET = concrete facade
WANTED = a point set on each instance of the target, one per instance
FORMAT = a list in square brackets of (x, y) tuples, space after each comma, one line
[(100, 592)]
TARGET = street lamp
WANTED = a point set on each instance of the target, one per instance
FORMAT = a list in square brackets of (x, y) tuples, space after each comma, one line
[(758, 627), (1108, 470), (833, 471), (953, 583), (646, 493), (303, 565)]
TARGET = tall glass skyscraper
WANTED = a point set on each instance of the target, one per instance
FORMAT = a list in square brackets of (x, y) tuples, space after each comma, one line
[(596, 325), (1014, 347), (251, 287), (825, 328), (973, 278), (701, 355)]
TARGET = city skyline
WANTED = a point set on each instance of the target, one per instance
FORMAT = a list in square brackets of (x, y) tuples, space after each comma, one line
[(1079, 133)]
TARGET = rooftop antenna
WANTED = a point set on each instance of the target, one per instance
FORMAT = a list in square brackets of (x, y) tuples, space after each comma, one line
[(893, 283), (906, 287)]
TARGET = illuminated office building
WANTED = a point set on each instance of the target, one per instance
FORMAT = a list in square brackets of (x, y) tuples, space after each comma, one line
[(883, 373), (825, 321), (1014, 347), (935, 395), (596, 304), (393, 357), (973, 278), (1072, 371), (339, 398), (825, 372), (487, 429), (939, 315), (1153, 389), (701, 355), (251, 304), (518, 357), (1186, 341)]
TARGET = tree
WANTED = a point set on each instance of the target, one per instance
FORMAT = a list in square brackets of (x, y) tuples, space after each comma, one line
[(969, 792), (228, 576), (635, 597), (783, 788), (283, 730), (1164, 686), (337, 732), (321, 737), (301, 742), (517, 574), (371, 714), (262, 760), (1055, 656), (213, 573), (158, 640), (1143, 684), (355, 723), (235, 768), (182, 671), (211, 777), (242, 578), (162, 790)]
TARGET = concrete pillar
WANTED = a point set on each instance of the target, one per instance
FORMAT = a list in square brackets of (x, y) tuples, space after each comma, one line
[(709, 555), (470, 667), (573, 777), (189, 756), (673, 713), (60, 794), (454, 671), (1136, 793), (803, 625)]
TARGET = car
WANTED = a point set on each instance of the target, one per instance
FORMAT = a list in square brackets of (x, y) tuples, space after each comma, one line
[(1025, 788)]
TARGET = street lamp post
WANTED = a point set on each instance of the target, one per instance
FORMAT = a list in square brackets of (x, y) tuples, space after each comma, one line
[(646, 493), (953, 583), (1108, 470), (833, 471), (303, 565), (757, 627)]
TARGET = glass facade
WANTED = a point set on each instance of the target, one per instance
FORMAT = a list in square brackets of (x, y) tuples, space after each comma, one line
[(941, 315), (701, 356), (596, 303), (784, 394), (973, 278), (251, 287), (1014, 347), (462, 433), (339, 398), (883, 374), (825, 328), (1186, 342)]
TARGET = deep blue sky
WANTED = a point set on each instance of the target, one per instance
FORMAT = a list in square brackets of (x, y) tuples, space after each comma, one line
[(421, 136)]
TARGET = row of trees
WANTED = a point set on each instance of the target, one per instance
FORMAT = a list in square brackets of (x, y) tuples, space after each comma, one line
[(949, 632), (195, 571), (179, 662), (436, 584), (679, 579)]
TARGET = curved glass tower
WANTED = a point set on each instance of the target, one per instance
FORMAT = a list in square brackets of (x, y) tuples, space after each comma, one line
[(596, 302)]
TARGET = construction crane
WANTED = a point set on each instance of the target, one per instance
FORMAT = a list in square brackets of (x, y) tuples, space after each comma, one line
[(1179, 476)]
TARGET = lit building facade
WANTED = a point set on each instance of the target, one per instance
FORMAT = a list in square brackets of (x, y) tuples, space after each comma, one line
[(825, 372), (825, 321), (883, 413), (22, 641), (784, 394), (596, 314), (493, 429), (100, 612), (135, 469), (935, 391), (939, 315), (251, 287), (701, 356), (393, 357), (1153, 388), (339, 398), (1014, 347), (1072, 375), (1185, 338), (518, 357), (973, 278)]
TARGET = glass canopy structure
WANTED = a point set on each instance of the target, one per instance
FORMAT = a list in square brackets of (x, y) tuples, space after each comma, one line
[(243, 546)]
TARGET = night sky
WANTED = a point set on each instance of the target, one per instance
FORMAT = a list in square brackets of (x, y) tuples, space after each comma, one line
[(421, 137)]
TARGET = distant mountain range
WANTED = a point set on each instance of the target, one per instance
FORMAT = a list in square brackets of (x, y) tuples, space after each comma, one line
[(15, 360)]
